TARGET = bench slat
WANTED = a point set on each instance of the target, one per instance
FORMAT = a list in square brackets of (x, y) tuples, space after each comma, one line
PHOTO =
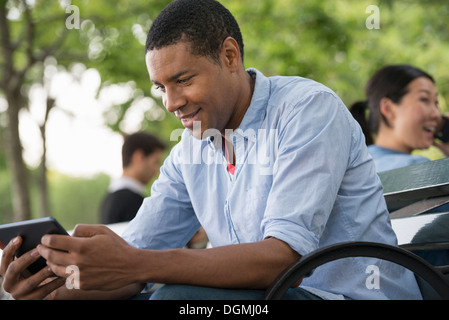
[(409, 184)]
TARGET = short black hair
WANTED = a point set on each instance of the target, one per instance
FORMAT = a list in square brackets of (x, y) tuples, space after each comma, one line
[(140, 141), (203, 23)]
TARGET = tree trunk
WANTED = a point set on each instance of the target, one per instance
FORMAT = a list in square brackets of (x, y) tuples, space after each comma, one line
[(11, 84), (21, 196), (42, 180)]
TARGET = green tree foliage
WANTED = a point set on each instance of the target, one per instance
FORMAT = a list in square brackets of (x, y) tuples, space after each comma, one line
[(91, 32), (329, 41)]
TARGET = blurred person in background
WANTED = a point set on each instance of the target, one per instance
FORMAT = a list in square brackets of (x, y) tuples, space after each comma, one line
[(141, 158), (403, 116)]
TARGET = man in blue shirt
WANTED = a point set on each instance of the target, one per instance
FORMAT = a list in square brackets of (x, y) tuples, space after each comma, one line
[(272, 168)]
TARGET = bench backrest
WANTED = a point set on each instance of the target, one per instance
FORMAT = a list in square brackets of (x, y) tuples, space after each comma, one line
[(413, 195)]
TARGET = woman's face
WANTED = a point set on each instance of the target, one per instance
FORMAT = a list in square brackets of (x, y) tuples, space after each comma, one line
[(415, 119)]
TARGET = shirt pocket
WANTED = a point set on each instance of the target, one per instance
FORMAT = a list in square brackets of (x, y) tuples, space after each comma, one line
[(257, 199), (253, 212)]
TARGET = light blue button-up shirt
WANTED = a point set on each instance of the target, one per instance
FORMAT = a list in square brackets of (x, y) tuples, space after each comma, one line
[(303, 175), (389, 159)]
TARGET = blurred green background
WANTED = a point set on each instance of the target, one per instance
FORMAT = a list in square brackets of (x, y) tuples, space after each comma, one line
[(328, 41)]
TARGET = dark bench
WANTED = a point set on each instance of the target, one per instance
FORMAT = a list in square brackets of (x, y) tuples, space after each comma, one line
[(418, 200)]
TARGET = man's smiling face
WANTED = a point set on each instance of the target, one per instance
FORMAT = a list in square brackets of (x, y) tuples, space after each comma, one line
[(194, 88)]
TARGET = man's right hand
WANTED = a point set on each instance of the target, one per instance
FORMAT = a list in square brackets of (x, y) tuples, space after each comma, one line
[(18, 282)]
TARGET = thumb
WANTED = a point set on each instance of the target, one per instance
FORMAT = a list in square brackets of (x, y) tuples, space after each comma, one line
[(89, 230)]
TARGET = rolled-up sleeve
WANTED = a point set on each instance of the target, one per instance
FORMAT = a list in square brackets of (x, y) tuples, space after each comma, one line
[(313, 153)]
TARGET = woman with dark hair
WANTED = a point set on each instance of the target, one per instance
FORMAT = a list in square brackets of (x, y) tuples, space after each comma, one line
[(403, 116)]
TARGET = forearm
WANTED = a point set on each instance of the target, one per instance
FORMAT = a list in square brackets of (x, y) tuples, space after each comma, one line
[(106, 262), (251, 265)]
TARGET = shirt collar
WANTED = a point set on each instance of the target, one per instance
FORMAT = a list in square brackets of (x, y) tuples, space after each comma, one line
[(125, 182), (256, 112)]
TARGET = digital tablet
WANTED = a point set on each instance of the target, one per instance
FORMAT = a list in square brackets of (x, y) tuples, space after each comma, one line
[(31, 232)]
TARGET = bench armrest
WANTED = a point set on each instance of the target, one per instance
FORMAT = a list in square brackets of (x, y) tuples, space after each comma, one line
[(397, 255)]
